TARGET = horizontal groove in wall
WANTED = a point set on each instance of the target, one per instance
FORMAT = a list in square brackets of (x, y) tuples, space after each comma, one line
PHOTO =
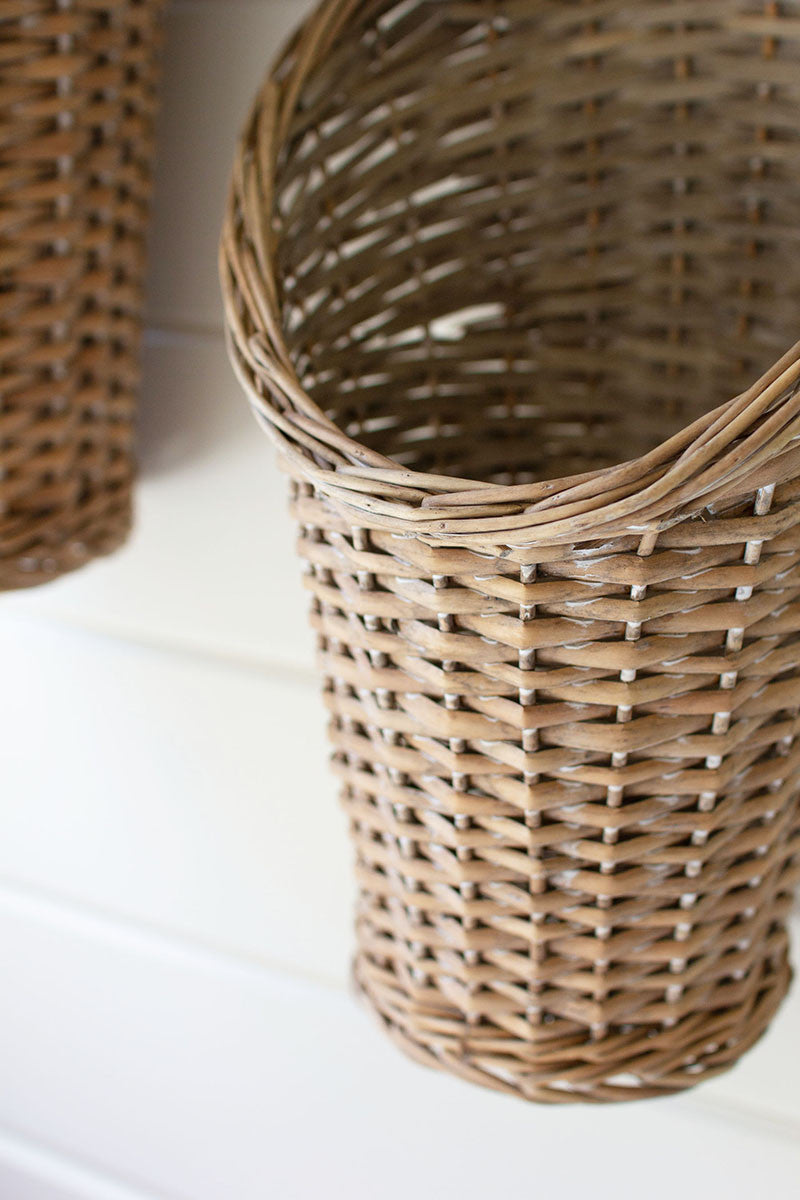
[(225, 5), (274, 669), (180, 333), (81, 919), (84, 919), (758, 1118), (60, 1172)]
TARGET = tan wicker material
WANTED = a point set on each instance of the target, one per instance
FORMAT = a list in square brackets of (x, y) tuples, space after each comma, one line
[(77, 100), (477, 255)]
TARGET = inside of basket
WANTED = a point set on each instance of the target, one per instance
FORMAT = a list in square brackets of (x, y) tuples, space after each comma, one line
[(520, 240)]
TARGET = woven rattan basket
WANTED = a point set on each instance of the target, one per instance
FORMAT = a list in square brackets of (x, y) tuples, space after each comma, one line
[(77, 101), (477, 256)]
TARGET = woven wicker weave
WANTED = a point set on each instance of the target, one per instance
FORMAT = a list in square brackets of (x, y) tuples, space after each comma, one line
[(478, 254), (77, 100)]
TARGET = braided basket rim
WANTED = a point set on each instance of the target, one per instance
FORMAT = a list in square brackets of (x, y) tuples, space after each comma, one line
[(735, 448)]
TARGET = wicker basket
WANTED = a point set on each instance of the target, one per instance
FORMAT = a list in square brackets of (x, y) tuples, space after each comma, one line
[(476, 255), (77, 100)]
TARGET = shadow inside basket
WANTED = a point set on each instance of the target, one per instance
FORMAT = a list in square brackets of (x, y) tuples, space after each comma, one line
[(545, 256)]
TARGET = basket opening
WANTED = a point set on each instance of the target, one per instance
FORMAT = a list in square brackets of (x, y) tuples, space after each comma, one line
[(540, 242)]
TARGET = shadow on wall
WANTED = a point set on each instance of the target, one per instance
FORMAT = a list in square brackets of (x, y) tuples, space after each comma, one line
[(187, 414)]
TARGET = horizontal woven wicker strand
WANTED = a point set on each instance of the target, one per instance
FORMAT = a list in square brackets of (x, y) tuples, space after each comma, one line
[(492, 272), (77, 105)]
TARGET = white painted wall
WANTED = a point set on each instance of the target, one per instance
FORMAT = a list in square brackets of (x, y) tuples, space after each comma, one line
[(175, 889)]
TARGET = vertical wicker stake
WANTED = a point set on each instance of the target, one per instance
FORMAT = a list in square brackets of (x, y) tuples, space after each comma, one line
[(77, 106), (492, 273)]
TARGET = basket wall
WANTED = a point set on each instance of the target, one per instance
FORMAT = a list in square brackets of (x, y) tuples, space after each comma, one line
[(77, 106), (471, 263), (571, 780)]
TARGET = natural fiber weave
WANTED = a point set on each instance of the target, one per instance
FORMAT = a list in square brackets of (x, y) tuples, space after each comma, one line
[(477, 254), (77, 101)]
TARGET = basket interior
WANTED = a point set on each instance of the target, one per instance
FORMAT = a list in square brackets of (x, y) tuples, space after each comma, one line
[(525, 239)]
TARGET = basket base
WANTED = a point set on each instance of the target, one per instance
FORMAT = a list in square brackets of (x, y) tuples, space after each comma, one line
[(49, 558), (623, 1065)]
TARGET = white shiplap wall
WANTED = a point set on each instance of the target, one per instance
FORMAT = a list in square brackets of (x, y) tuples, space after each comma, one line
[(174, 874)]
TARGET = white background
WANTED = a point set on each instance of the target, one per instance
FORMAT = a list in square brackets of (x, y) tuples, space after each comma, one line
[(175, 1020)]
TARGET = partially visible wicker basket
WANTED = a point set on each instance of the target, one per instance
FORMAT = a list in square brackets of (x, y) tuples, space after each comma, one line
[(476, 254), (77, 102)]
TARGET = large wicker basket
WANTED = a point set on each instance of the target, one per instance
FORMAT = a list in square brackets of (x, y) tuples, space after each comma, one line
[(476, 256), (77, 100)]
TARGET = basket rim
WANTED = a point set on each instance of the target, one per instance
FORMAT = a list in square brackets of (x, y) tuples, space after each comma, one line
[(738, 447)]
